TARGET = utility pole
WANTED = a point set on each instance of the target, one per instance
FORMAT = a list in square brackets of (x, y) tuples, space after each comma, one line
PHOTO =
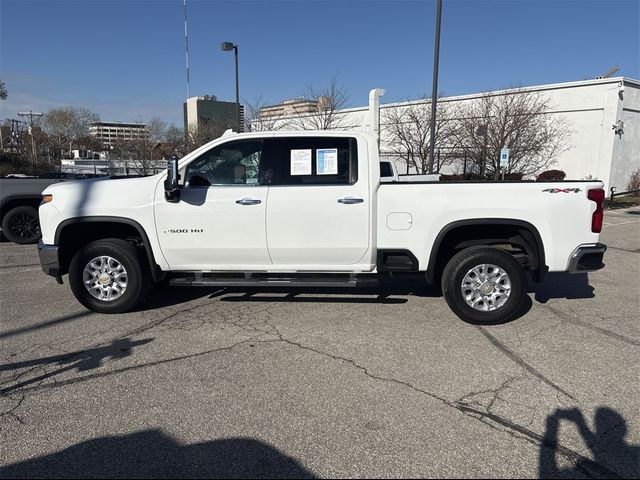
[(31, 114)]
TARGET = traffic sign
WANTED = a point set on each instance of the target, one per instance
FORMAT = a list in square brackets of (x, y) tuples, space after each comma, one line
[(504, 158)]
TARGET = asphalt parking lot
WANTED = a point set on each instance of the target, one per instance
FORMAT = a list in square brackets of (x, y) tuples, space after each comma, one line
[(337, 383)]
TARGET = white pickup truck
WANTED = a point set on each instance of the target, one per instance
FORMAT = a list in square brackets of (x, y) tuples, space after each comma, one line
[(309, 209)]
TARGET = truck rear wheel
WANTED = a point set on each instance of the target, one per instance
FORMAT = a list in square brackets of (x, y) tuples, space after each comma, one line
[(108, 276), (484, 285), (21, 225)]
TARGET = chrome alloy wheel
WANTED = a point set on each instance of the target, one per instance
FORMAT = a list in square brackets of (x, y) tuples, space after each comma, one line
[(486, 287), (105, 278)]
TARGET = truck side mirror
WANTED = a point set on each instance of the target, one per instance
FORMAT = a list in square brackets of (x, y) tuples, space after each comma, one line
[(171, 187)]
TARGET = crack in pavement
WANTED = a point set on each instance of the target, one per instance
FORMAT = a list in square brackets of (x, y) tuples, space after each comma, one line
[(494, 421), (243, 326), (517, 359), (84, 378), (470, 401), (583, 464), (512, 429), (568, 318), (12, 411)]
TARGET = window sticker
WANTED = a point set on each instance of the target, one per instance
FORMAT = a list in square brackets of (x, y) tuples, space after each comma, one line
[(301, 162), (327, 161)]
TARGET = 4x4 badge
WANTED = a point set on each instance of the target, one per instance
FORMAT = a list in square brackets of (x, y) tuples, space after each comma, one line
[(562, 190)]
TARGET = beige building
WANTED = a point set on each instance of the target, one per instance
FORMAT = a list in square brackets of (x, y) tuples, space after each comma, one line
[(109, 133), (296, 106)]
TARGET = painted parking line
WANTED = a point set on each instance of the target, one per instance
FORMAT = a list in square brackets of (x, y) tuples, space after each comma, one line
[(4, 272), (621, 223), (608, 220)]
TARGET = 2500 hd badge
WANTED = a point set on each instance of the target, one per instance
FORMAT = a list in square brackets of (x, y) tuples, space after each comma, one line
[(185, 230)]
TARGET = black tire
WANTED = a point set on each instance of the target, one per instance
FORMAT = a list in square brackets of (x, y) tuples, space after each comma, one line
[(462, 263), (21, 225), (137, 275)]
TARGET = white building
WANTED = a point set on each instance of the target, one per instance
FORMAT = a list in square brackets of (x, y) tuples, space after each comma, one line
[(591, 108)]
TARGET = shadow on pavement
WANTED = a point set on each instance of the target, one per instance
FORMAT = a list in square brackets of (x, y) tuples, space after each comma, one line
[(165, 296), (562, 285), (48, 323), (384, 294), (153, 454), (293, 296), (613, 457), (82, 360)]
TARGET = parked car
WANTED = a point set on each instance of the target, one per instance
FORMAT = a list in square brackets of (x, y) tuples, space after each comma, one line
[(309, 209), (19, 201)]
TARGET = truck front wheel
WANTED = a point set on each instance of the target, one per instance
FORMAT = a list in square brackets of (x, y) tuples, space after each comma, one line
[(484, 285), (20, 225), (108, 276)]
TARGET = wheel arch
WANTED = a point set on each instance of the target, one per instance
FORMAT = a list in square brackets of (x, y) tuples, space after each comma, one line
[(98, 227), (9, 203), (487, 231)]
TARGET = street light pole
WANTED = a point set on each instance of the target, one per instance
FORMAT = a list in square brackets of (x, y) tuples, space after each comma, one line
[(227, 47), (434, 91)]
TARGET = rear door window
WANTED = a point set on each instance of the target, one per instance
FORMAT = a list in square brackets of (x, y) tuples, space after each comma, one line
[(315, 161)]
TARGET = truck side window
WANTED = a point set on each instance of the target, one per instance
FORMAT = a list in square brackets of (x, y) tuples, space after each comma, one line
[(316, 160), (385, 169), (233, 163)]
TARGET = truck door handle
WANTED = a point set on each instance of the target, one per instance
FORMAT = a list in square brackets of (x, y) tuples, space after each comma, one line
[(350, 200), (248, 201)]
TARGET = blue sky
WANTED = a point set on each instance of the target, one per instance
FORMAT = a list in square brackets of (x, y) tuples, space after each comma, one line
[(125, 59)]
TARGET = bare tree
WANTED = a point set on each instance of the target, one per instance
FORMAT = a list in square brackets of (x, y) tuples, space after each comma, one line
[(157, 129), (3, 91), (256, 119), (329, 100), (175, 141), (199, 135), (519, 120), (407, 128), (138, 153), (66, 125)]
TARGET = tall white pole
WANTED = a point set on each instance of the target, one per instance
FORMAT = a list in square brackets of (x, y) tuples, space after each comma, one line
[(374, 111)]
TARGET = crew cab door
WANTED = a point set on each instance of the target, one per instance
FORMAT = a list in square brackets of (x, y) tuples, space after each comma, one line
[(319, 210), (219, 221)]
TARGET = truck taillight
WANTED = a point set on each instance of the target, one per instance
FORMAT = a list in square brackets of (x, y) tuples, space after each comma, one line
[(597, 195)]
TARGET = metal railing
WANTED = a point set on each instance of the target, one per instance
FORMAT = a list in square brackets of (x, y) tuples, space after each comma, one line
[(620, 194)]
